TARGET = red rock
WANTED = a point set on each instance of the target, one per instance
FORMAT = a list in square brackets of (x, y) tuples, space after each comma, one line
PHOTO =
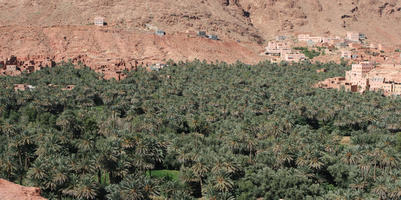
[(12, 191)]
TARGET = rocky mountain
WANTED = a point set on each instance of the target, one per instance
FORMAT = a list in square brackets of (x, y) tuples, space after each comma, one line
[(239, 19), (254, 21), (379, 19)]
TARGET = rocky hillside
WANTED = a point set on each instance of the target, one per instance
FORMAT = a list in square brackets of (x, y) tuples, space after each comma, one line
[(12, 191), (108, 46), (379, 19), (253, 20), (40, 23)]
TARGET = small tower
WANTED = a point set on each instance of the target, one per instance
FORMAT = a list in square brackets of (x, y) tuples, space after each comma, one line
[(99, 21)]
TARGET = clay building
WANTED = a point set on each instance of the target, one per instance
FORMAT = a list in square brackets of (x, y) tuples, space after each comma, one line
[(213, 37), (19, 87), (202, 34), (115, 74), (366, 77), (11, 68), (346, 54), (99, 21), (397, 88), (23, 87), (293, 57), (337, 83), (358, 73), (276, 48), (375, 83), (157, 67), (310, 39), (353, 36), (281, 38), (354, 45)]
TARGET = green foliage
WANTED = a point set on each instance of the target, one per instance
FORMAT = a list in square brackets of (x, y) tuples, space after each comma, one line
[(215, 131), (399, 141), (170, 174), (309, 53)]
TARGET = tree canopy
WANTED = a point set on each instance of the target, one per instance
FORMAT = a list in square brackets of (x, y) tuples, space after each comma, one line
[(229, 131)]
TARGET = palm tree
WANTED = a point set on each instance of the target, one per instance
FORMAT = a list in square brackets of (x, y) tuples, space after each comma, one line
[(251, 146), (133, 187), (8, 165), (395, 192), (365, 166), (315, 163), (200, 170), (222, 182), (380, 191), (350, 158), (390, 162), (377, 156), (82, 188), (359, 184)]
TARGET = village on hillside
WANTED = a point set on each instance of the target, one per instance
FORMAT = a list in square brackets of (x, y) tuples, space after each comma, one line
[(374, 66), (110, 67), (365, 76), (354, 47)]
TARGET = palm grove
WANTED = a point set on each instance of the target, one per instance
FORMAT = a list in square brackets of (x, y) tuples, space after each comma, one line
[(229, 131)]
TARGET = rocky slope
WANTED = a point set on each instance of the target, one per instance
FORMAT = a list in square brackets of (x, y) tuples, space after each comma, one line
[(102, 45), (64, 28), (11, 191), (379, 19), (253, 20)]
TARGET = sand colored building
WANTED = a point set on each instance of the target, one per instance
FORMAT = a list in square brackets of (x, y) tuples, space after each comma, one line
[(293, 57), (353, 36), (98, 21), (396, 89), (359, 72), (354, 45), (277, 48), (23, 87), (303, 37), (110, 67), (20, 87), (346, 54), (13, 66), (335, 40), (312, 39), (111, 74), (366, 77), (386, 77), (337, 83)]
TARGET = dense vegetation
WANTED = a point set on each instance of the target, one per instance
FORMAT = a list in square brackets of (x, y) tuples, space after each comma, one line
[(309, 53), (196, 130)]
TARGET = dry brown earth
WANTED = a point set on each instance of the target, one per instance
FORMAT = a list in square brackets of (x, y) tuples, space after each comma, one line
[(11, 191), (101, 45), (253, 20), (62, 28)]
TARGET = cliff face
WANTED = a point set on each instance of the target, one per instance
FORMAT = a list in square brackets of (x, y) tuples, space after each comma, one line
[(9, 190)]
